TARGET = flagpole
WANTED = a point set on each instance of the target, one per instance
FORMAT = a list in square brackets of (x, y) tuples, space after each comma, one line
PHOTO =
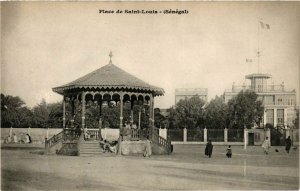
[(258, 52)]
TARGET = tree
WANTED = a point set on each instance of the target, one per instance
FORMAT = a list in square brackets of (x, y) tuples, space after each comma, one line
[(55, 115), (216, 114), (188, 113), (41, 115), (160, 120), (14, 112), (245, 110)]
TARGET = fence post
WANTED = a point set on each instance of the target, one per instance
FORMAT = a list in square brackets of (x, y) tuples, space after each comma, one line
[(246, 141), (269, 135), (226, 135), (184, 135), (205, 135), (163, 133)]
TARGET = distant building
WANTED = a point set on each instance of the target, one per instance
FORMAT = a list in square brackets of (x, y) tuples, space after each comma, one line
[(279, 103), (182, 93)]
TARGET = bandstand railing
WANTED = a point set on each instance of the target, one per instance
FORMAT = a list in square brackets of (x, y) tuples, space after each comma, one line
[(71, 135), (155, 138), (53, 140), (94, 133), (138, 134)]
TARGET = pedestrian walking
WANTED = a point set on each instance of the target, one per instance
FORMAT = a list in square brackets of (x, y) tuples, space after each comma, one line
[(229, 152), (288, 144), (208, 149), (266, 145)]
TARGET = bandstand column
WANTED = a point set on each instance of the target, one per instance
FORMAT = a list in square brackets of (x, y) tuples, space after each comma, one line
[(100, 113), (72, 112), (140, 118), (151, 112), (100, 119), (121, 124), (83, 110), (64, 113), (131, 112), (121, 111)]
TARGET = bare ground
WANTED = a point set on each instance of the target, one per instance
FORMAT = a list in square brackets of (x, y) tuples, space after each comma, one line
[(26, 168)]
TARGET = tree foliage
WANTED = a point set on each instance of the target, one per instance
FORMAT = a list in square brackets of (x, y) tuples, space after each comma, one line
[(215, 115), (14, 112), (245, 110), (188, 113)]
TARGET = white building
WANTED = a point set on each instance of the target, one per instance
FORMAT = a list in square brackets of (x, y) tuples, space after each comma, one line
[(279, 103), (183, 93)]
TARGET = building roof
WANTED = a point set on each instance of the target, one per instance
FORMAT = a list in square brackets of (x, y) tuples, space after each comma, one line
[(110, 77), (258, 75)]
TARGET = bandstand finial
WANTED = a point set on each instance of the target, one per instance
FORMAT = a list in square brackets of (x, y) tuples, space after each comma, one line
[(110, 55)]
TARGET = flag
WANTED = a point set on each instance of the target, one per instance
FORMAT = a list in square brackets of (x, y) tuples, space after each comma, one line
[(264, 25), (249, 60)]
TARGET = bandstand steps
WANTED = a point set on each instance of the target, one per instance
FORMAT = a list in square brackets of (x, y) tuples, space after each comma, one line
[(90, 148)]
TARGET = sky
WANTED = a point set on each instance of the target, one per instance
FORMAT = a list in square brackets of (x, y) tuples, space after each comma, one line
[(48, 44)]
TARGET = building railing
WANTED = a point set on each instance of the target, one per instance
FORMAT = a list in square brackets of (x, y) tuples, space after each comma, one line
[(268, 88)]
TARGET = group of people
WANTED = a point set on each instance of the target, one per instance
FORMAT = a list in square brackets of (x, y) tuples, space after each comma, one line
[(108, 147), (209, 148), (125, 133), (265, 145), (14, 139)]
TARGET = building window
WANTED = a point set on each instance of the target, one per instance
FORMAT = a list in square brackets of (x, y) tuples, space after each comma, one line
[(270, 116), (279, 101), (280, 116)]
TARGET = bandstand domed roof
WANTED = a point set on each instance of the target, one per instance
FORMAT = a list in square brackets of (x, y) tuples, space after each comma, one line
[(109, 78)]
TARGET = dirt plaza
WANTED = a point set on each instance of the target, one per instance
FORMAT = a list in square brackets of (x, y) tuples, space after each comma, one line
[(24, 167)]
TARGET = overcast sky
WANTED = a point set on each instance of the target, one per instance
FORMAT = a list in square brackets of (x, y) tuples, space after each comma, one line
[(45, 45)]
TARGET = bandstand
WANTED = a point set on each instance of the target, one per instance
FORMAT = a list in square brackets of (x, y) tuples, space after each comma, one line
[(102, 86)]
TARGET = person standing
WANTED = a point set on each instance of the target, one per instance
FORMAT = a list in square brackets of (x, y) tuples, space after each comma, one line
[(208, 149), (148, 149), (15, 138), (266, 145), (28, 138), (288, 144)]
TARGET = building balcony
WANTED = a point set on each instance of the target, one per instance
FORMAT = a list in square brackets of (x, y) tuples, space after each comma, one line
[(265, 89)]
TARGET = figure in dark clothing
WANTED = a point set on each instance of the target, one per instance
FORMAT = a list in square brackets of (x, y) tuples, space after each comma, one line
[(288, 144), (229, 152), (208, 149)]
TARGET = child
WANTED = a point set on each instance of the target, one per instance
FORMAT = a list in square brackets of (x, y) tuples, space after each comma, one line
[(229, 152)]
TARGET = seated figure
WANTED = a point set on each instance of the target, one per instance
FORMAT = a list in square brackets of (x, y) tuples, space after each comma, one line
[(106, 146)]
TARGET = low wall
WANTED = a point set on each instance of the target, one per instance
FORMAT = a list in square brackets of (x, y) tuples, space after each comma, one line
[(138, 148), (37, 134), (133, 147), (204, 143), (110, 134)]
